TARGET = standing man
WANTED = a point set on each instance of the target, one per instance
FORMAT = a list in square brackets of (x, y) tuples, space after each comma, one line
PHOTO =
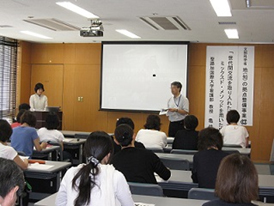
[(178, 107)]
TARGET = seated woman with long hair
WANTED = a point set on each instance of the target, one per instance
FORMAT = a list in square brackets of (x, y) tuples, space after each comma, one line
[(96, 183), (236, 183)]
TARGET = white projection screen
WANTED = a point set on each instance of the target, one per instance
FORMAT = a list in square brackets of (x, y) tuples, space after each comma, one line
[(136, 76)]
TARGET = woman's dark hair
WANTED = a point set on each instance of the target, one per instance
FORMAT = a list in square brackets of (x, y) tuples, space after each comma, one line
[(177, 84), (20, 113), (39, 86), (237, 180), (52, 121), (123, 134), (153, 122), (232, 116), (209, 137), (191, 122), (125, 120), (5, 130), (11, 176), (97, 146), (28, 118), (24, 106)]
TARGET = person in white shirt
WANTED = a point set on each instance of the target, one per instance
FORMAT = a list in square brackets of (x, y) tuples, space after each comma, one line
[(95, 183), (234, 133), (6, 151), (151, 136), (38, 101), (12, 182), (178, 108)]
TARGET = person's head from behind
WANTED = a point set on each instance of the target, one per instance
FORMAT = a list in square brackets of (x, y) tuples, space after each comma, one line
[(12, 182), (98, 149), (124, 135), (39, 88), (5, 130), (232, 116), (52, 121), (125, 120), (237, 180), (190, 122), (28, 118), (210, 138), (153, 122), (176, 88), (24, 106), (19, 115)]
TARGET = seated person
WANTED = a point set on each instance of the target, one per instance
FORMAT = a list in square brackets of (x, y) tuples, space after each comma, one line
[(17, 123), (95, 183), (206, 162), (236, 183), (151, 136), (188, 138), (8, 152), (24, 106), (234, 133), (138, 165), (25, 137), (129, 122), (12, 182)]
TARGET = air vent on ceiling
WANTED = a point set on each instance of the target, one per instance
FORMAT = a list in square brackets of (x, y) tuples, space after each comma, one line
[(53, 24), (5, 26), (227, 22), (165, 23)]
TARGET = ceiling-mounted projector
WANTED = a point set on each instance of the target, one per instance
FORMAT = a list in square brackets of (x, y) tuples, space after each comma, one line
[(95, 30)]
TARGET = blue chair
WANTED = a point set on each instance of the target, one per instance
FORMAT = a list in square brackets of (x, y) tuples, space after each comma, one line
[(145, 189), (201, 194)]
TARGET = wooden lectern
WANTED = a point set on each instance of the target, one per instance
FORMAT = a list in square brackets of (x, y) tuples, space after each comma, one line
[(41, 118)]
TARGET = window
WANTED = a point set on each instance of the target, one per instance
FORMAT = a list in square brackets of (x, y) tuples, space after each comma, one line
[(8, 70)]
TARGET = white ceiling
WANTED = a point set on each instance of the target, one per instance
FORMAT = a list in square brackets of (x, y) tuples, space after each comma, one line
[(255, 25)]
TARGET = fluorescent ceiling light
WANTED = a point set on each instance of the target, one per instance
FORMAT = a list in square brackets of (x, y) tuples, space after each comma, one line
[(77, 9), (128, 33), (35, 34), (221, 7), (232, 33)]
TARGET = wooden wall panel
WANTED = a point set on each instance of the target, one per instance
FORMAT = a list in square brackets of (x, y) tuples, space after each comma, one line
[(82, 78)]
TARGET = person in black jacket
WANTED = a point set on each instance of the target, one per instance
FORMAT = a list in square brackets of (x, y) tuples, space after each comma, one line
[(116, 145), (137, 165), (188, 138), (236, 183), (206, 162)]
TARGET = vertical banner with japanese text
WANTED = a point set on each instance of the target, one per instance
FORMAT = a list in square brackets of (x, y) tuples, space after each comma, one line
[(229, 84)]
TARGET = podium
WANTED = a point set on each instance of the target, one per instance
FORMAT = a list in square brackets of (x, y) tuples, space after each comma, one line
[(41, 118)]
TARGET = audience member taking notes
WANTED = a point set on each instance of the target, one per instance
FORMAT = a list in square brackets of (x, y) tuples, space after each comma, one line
[(187, 138), (8, 152), (151, 136), (95, 183), (236, 183), (234, 133), (206, 162), (25, 137), (129, 122), (18, 117), (12, 182), (138, 165), (38, 101)]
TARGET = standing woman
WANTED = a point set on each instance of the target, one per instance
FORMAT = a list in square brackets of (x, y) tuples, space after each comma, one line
[(38, 101)]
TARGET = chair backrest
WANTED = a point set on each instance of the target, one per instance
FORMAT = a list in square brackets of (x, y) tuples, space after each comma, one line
[(183, 151), (60, 149), (231, 151), (201, 194), (145, 189), (175, 164), (155, 149), (232, 145), (81, 136), (21, 153)]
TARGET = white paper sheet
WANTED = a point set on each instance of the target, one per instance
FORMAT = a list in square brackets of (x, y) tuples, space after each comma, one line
[(38, 166)]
